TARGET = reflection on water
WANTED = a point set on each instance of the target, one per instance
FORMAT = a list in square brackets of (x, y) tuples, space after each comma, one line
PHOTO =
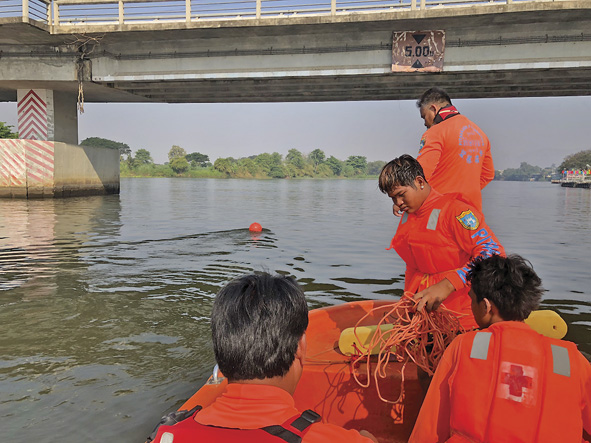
[(105, 301)]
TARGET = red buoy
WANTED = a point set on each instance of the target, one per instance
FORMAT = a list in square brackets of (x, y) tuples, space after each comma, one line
[(255, 227)]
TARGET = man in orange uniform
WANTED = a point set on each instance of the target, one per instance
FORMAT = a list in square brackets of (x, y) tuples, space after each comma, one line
[(437, 237), (258, 328), (507, 382), (454, 152)]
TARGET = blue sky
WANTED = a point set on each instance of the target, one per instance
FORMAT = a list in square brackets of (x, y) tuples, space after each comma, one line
[(540, 131)]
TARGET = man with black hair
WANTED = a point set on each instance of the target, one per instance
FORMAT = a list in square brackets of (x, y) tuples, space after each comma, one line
[(437, 237), (258, 329), (506, 382), (454, 151)]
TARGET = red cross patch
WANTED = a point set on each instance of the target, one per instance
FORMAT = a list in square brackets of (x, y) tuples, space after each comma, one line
[(517, 383)]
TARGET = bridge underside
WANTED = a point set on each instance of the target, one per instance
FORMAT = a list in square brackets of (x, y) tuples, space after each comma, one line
[(399, 86), (514, 50)]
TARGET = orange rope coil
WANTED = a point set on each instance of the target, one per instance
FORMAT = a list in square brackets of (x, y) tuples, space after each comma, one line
[(418, 336)]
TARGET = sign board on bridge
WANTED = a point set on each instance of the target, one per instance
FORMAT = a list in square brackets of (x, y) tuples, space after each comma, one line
[(418, 51)]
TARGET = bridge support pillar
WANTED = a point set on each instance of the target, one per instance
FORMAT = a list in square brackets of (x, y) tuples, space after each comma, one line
[(46, 161), (44, 114)]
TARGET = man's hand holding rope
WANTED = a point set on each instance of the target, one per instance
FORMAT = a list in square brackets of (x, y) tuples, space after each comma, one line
[(433, 296)]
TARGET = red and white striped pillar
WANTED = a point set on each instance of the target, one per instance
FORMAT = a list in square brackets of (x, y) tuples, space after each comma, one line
[(27, 164), (33, 107), (44, 114)]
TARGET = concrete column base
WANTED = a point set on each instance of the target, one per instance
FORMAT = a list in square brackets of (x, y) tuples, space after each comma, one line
[(45, 169)]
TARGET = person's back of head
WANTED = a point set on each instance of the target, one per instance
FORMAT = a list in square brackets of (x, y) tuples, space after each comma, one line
[(256, 323), (434, 95), (510, 283), (402, 171)]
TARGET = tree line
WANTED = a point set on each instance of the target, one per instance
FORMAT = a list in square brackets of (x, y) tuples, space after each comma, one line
[(527, 172), (580, 160), (297, 165), (294, 165)]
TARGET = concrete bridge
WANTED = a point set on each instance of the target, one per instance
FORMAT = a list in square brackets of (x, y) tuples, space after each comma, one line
[(68, 52), (274, 50)]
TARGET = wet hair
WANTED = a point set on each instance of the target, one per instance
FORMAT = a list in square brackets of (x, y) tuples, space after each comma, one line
[(510, 283), (433, 95), (402, 171), (256, 324)]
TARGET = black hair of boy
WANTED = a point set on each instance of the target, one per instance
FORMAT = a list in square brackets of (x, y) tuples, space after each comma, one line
[(402, 171), (256, 323), (510, 283)]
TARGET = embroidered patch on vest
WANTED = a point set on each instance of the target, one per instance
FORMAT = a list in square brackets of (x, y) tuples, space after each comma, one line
[(517, 383), (468, 220), (422, 144)]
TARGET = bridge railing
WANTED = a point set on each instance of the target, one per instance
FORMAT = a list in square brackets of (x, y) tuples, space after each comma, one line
[(39, 10), (106, 12)]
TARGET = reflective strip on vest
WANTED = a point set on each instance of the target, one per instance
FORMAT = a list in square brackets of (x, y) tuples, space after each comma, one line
[(433, 218), (480, 345), (560, 360), (188, 430), (404, 218)]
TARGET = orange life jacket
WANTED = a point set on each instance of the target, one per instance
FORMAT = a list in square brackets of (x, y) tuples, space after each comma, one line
[(455, 156), (438, 241), (189, 431), (512, 384)]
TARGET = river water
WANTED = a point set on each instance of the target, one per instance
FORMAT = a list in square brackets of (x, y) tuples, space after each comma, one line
[(104, 301)]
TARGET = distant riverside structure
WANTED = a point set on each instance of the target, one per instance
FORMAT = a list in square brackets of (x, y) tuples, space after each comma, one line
[(576, 178), (58, 55)]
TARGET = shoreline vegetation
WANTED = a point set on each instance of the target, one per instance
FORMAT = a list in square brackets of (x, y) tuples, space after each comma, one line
[(295, 165), (255, 168), (262, 166)]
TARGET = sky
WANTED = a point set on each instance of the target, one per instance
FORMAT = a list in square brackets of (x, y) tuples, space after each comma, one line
[(539, 131)]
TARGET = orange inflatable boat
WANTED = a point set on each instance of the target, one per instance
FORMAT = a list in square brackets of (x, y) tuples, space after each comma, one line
[(327, 385)]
